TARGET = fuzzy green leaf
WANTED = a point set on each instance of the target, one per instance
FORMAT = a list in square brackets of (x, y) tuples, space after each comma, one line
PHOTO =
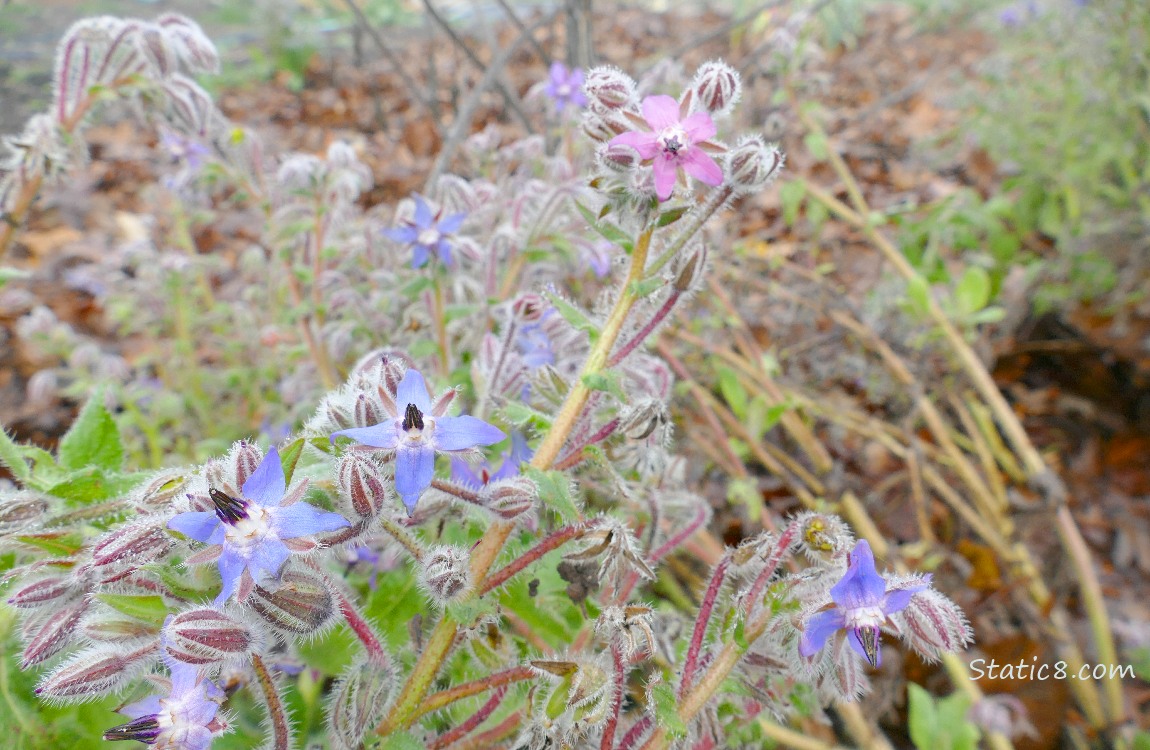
[(93, 439), (667, 710), (555, 492), (150, 609), (12, 456), (289, 457)]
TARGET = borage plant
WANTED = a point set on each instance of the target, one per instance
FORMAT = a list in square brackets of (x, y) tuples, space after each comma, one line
[(507, 606)]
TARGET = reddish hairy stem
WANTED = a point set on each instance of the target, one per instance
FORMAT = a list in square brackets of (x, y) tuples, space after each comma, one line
[(772, 564), (617, 699), (553, 541), (635, 733), (575, 455), (472, 721), (492, 737), (281, 731), (362, 629), (451, 488), (436, 701), (646, 330), (704, 617)]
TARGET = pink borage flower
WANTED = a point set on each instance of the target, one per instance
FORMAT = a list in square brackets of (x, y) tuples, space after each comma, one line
[(673, 143)]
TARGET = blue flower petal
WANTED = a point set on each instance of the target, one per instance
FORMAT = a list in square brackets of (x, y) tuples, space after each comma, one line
[(412, 390), (267, 558), (414, 469), (462, 472), (818, 629), (383, 435), (419, 256), (231, 567), (266, 485), (451, 224), (862, 586), (423, 217), (443, 250), (404, 235), (302, 519), (149, 706), (198, 525), (460, 433), (896, 601)]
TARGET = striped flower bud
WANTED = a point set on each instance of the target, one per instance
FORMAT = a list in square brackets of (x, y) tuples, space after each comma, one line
[(358, 702), (509, 498), (716, 87), (300, 604), (618, 157), (445, 572), (753, 164), (21, 511), (608, 88), (94, 672), (131, 546), (361, 482), (207, 636), (48, 637), (41, 592)]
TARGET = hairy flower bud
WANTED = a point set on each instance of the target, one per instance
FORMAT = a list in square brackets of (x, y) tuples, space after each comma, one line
[(361, 481), (931, 624), (94, 672), (717, 87), (20, 511), (161, 489), (48, 637), (105, 629), (367, 411), (528, 308), (41, 592), (300, 604), (608, 88), (191, 44), (643, 418), (207, 636), (246, 458), (445, 572), (123, 550), (603, 126), (618, 157), (753, 164), (358, 702), (509, 498), (689, 269)]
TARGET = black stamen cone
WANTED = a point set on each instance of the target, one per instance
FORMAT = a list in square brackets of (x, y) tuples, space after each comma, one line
[(412, 418), (229, 509), (144, 729), (869, 637)]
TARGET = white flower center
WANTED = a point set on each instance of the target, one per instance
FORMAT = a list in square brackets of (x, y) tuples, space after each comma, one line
[(563, 91), (429, 237), (674, 141), (249, 532), (864, 617)]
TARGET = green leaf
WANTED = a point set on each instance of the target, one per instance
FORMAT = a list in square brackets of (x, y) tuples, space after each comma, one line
[(93, 439), (670, 217), (922, 718), (573, 315), (918, 292), (403, 741), (606, 230), (290, 457), (791, 196), (149, 608), (816, 143), (12, 456), (645, 287), (733, 392), (520, 414), (555, 492), (608, 381), (667, 710), (58, 543), (92, 484), (973, 290)]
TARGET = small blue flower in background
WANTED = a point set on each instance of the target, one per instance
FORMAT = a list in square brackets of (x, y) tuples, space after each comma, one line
[(862, 605), (183, 720), (520, 452), (565, 87), (534, 344), (190, 153), (416, 431), (250, 531), (427, 233)]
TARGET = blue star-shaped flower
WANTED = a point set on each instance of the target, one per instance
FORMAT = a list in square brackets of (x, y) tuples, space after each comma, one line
[(253, 535), (862, 605), (185, 719), (565, 87), (427, 233), (416, 431)]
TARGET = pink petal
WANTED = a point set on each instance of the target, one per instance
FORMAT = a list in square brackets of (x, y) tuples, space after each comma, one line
[(660, 112), (702, 167), (642, 142), (699, 127), (665, 171)]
